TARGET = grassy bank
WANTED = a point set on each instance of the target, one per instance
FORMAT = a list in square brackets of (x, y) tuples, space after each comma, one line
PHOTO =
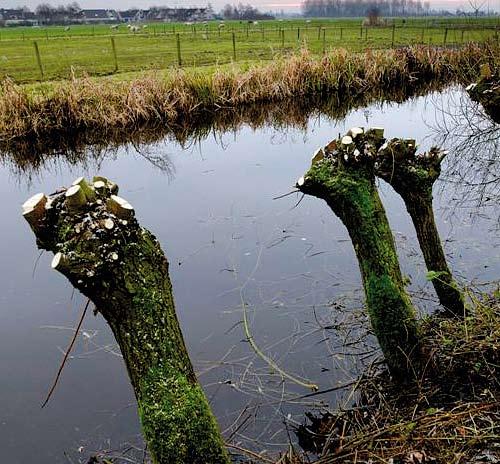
[(451, 415), (184, 98), (98, 50)]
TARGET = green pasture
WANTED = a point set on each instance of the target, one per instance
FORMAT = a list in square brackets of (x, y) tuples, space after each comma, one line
[(29, 54)]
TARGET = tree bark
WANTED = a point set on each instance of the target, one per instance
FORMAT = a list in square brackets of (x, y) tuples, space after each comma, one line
[(120, 266), (413, 177), (343, 176)]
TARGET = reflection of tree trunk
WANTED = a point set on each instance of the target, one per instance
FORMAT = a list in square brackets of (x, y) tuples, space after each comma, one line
[(412, 178), (351, 193), (120, 266)]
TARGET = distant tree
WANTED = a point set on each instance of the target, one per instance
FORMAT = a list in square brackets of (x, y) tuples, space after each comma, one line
[(476, 6), (243, 12), (45, 12)]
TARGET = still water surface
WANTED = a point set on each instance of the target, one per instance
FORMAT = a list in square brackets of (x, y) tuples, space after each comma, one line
[(228, 242)]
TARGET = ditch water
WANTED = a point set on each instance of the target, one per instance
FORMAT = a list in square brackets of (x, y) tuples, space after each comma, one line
[(212, 205)]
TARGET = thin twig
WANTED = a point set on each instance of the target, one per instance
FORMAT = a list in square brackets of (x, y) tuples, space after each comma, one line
[(70, 347)]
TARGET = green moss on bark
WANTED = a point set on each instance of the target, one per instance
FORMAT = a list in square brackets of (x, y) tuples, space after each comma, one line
[(351, 193), (123, 270), (413, 177)]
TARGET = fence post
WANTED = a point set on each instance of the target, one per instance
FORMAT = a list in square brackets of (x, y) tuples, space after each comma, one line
[(298, 34), (319, 32), (341, 32), (462, 38), (178, 42), (393, 35), (234, 46), (282, 38), (445, 36), (38, 58), (324, 40), (366, 33), (361, 33), (115, 57)]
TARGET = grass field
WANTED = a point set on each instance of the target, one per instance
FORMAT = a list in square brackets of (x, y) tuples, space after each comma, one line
[(88, 49)]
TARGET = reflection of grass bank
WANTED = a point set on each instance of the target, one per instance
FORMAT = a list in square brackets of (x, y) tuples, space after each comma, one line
[(183, 97), (451, 416)]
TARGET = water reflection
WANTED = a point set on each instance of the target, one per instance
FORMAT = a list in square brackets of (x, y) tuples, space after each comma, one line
[(220, 228), (79, 147), (473, 140)]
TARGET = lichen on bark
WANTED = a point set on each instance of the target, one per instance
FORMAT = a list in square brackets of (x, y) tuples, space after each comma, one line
[(412, 176), (342, 174), (120, 266)]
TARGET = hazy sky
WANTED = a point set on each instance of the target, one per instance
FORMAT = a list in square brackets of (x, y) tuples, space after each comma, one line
[(287, 5)]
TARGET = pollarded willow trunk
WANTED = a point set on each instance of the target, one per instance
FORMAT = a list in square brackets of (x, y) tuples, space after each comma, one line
[(412, 177), (343, 175), (100, 247)]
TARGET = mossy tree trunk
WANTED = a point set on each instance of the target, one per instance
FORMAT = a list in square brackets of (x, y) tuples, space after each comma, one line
[(120, 266), (343, 176), (413, 177)]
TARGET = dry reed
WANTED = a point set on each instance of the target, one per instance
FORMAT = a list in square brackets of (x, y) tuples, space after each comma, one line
[(451, 415), (104, 105)]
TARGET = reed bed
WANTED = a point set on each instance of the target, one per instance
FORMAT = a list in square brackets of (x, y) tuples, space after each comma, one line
[(450, 415), (184, 97)]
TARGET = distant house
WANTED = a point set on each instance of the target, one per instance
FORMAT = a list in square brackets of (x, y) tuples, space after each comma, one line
[(164, 14), (133, 15), (100, 16), (17, 17)]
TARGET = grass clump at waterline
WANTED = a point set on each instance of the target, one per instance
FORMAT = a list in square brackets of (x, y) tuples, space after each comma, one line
[(184, 97), (451, 415)]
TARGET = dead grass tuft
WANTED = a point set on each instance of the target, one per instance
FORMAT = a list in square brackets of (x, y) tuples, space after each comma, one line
[(105, 105), (450, 416)]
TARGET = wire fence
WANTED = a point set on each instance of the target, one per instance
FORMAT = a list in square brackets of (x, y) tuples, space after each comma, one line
[(28, 60)]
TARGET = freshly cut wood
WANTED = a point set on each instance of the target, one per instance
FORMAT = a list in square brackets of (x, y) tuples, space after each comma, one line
[(100, 187), (86, 188), (34, 209), (355, 131), (120, 207), (60, 262), (35, 202), (346, 140), (75, 198), (112, 186)]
